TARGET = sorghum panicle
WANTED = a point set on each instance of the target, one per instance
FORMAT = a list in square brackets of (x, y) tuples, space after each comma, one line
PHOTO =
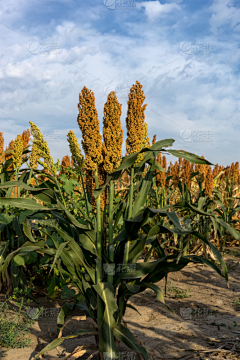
[(2, 153), (42, 150), (175, 173), (186, 174), (17, 152), (25, 140), (9, 155), (154, 139), (89, 125), (209, 182), (135, 118), (77, 157), (34, 157), (161, 177), (112, 134), (144, 144)]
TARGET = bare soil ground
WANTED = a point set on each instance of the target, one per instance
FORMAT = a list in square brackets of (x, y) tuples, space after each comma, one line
[(204, 325)]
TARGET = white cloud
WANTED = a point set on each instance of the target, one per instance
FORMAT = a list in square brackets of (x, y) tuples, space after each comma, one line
[(155, 9), (224, 16)]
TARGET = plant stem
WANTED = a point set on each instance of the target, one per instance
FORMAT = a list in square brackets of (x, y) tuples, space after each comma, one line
[(16, 179), (99, 261), (85, 195), (30, 176), (110, 229), (127, 245), (56, 181), (131, 194)]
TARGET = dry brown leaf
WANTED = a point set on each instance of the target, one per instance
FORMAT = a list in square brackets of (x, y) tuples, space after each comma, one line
[(94, 353), (68, 321), (80, 351)]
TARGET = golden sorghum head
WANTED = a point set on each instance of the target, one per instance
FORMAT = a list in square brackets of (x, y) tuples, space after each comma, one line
[(186, 174), (112, 134), (175, 173), (66, 162), (235, 173), (161, 175), (34, 157), (41, 144), (159, 159), (42, 150), (154, 139), (25, 140), (170, 169), (145, 143), (216, 170), (135, 118), (222, 176), (9, 155), (227, 172), (77, 157), (202, 169), (2, 153), (209, 182), (164, 162), (17, 152), (89, 125)]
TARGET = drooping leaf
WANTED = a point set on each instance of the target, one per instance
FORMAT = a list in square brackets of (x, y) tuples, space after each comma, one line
[(123, 334)]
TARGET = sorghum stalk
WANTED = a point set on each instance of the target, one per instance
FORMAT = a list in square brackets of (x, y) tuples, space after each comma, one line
[(137, 131), (112, 155), (110, 231), (99, 259), (77, 159), (92, 140), (89, 125), (17, 159), (135, 136)]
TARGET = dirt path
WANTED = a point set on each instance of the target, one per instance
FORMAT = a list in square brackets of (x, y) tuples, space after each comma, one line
[(207, 319)]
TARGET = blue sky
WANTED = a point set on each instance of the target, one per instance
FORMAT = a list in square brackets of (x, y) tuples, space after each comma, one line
[(185, 53)]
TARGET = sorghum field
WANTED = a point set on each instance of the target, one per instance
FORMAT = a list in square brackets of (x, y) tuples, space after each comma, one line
[(117, 257)]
